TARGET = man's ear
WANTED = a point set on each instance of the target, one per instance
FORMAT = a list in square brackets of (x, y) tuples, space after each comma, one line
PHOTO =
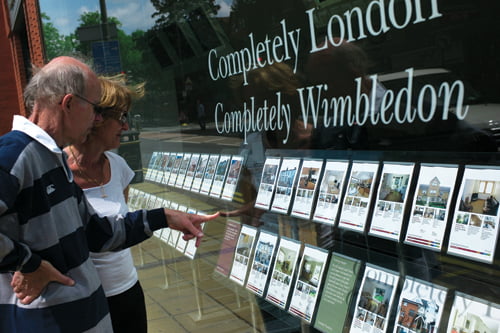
[(66, 102)]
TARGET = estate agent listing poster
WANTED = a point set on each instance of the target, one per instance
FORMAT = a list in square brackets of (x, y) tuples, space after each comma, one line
[(188, 181), (474, 231), (244, 249), (308, 283), (220, 176), (267, 182), (284, 187), (227, 247), (374, 301), (337, 293), (232, 177), (151, 164), (330, 191), (283, 270), (208, 177), (420, 307), (261, 263), (179, 183), (392, 196), (167, 170), (306, 188), (472, 314), (431, 203), (200, 171), (175, 169), (358, 196)]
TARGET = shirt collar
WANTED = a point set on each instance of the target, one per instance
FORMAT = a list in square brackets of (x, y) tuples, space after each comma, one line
[(22, 124)]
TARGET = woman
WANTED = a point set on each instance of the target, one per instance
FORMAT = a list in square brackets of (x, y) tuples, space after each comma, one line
[(104, 176)]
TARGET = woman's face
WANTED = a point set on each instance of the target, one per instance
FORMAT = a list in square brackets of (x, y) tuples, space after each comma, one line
[(109, 133)]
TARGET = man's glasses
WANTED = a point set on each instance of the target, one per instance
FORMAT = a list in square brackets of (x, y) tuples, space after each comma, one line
[(97, 108)]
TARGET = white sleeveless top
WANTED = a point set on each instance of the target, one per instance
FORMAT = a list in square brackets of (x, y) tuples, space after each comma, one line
[(116, 269)]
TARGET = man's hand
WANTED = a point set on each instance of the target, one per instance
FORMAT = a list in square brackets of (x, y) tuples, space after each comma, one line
[(188, 224), (28, 286)]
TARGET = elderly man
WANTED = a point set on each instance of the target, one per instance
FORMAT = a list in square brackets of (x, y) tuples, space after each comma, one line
[(47, 281)]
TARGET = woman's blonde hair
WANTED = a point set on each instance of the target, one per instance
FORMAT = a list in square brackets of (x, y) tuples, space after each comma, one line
[(117, 96)]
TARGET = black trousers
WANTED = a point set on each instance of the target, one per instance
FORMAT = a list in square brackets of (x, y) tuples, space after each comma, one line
[(128, 311)]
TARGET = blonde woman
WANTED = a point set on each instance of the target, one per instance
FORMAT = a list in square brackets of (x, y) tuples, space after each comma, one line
[(105, 176)]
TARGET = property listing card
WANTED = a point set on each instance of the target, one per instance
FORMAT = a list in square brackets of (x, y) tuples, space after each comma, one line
[(306, 188), (267, 182), (220, 176), (228, 247), (337, 293), (305, 292), (165, 235), (232, 177), (284, 186), (161, 168), (160, 163), (169, 162), (330, 191), (283, 270), (200, 171), (472, 314), (244, 249), (474, 231), (374, 301), (356, 205), (431, 204), (157, 172), (181, 176), (208, 177), (188, 181), (420, 307), (151, 164), (175, 169), (391, 199), (261, 263)]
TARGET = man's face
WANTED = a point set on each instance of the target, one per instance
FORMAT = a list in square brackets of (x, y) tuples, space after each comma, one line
[(85, 116)]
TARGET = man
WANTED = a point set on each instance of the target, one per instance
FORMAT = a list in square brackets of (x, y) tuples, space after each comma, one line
[(47, 281)]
